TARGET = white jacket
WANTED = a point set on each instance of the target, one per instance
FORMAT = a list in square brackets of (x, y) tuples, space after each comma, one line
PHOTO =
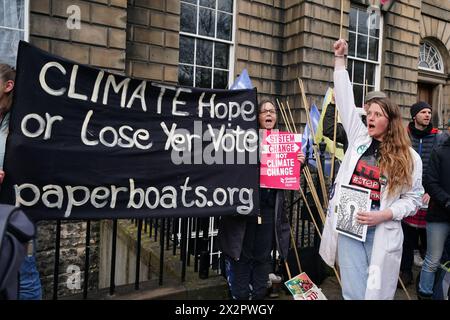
[(387, 246)]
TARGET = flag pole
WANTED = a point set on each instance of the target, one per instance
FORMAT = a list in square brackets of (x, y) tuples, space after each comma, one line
[(335, 108)]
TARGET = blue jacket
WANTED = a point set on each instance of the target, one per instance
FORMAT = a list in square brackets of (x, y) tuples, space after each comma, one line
[(423, 142)]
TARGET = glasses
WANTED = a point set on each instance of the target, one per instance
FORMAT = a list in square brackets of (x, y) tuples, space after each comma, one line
[(270, 111)]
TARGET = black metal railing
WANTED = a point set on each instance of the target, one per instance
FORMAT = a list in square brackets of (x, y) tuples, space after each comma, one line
[(190, 238)]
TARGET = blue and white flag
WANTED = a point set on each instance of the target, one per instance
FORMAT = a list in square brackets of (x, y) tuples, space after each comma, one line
[(314, 114), (242, 82)]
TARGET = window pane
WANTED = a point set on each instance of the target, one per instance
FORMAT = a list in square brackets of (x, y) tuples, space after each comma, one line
[(208, 3), (358, 72), (190, 1), (423, 64), (358, 93), (203, 77), (350, 69), (188, 18), (370, 74), (220, 79), (353, 13), (351, 44), (224, 23), (207, 22), (375, 32), (186, 75), (12, 15), (187, 50), (204, 52), (362, 47), (225, 5), (362, 21), (9, 42), (373, 49), (221, 53)]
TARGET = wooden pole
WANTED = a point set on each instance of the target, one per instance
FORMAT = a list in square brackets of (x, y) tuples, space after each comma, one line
[(318, 231), (342, 19), (315, 148), (290, 114)]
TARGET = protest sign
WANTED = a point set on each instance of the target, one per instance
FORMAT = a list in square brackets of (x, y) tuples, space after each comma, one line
[(85, 143), (280, 168)]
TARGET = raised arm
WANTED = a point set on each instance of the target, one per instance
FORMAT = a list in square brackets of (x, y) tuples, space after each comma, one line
[(344, 93)]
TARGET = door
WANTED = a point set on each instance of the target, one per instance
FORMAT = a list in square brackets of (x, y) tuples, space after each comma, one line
[(425, 93)]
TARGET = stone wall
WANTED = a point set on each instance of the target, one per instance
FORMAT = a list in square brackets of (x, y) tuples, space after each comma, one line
[(100, 41), (72, 257), (153, 39)]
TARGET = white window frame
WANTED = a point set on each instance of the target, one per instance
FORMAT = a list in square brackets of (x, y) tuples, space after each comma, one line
[(26, 21), (377, 64), (437, 53), (231, 43)]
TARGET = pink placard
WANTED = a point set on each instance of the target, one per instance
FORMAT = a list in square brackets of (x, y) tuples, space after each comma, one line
[(280, 168)]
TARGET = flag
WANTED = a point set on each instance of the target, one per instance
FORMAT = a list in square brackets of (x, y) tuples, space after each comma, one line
[(319, 132), (242, 82), (307, 138)]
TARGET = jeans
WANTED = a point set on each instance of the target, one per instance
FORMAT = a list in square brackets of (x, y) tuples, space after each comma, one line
[(30, 283), (437, 233), (354, 260), (248, 277)]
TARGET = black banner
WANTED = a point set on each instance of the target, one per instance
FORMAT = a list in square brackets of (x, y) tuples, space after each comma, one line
[(85, 143)]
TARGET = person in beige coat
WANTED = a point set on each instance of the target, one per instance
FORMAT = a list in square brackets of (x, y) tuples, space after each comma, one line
[(378, 158)]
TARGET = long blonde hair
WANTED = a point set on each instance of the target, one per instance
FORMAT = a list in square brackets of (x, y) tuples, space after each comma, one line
[(7, 73), (396, 161)]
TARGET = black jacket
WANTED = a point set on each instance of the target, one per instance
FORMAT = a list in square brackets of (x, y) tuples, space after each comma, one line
[(232, 230), (328, 127), (423, 142), (437, 183)]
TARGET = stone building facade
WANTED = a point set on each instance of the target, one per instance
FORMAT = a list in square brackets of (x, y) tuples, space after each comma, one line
[(277, 41), (407, 54)]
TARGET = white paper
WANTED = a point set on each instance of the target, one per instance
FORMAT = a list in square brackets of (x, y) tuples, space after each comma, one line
[(351, 200)]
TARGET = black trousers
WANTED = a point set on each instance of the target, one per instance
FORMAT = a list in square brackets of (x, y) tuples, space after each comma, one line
[(254, 265), (412, 235)]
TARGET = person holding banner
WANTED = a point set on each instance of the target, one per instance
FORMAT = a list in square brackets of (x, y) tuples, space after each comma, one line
[(379, 158), (30, 285), (247, 241)]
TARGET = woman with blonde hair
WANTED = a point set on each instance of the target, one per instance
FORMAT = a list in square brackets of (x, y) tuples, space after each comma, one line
[(379, 158)]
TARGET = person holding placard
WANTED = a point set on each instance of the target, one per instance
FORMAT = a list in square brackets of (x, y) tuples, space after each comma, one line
[(247, 241), (379, 158)]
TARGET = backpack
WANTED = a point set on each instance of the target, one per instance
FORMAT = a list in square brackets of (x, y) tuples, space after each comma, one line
[(16, 230)]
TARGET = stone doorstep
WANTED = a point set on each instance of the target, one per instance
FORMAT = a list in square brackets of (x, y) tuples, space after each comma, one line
[(213, 288), (150, 251)]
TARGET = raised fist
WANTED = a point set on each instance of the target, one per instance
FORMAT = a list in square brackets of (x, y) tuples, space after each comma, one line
[(340, 48)]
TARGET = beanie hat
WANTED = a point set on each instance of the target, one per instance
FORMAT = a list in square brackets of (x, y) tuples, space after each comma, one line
[(417, 107), (374, 94)]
